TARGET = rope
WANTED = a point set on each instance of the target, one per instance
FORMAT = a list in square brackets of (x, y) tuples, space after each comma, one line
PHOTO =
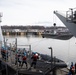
[(38, 42), (54, 18)]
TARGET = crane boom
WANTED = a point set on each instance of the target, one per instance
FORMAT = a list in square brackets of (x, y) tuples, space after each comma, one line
[(70, 25)]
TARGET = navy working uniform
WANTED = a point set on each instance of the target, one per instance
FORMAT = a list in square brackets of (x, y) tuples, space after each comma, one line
[(34, 58)]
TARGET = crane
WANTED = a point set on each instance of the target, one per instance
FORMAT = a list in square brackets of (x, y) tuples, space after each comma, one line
[(69, 20)]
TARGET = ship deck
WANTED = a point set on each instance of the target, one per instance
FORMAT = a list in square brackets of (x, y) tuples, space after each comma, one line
[(42, 67)]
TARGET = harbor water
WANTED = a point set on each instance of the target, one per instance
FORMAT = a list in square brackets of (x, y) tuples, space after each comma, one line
[(62, 49)]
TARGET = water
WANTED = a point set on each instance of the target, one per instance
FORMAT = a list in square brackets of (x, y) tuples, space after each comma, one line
[(62, 49)]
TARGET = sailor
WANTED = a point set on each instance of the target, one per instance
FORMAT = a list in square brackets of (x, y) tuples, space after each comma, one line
[(16, 59), (4, 53), (2, 48), (75, 68), (34, 60), (24, 60), (71, 71), (20, 60)]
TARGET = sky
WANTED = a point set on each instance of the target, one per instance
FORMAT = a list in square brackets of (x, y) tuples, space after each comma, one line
[(33, 12)]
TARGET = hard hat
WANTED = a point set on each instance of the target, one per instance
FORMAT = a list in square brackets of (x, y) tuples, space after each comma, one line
[(36, 54)]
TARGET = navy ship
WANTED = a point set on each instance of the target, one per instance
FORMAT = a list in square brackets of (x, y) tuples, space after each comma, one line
[(61, 35)]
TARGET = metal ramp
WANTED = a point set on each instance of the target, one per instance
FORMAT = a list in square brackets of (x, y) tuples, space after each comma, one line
[(42, 68), (45, 67), (5, 69)]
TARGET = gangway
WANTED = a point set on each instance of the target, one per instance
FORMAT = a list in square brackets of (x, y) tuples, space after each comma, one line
[(43, 67)]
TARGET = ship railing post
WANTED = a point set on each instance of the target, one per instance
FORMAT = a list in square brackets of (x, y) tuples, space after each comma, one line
[(0, 49), (10, 55), (30, 54), (51, 56), (6, 50), (17, 56), (5, 45), (54, 71)]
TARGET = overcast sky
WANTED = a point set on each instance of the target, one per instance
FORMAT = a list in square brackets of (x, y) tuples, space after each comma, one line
[(33, 12)]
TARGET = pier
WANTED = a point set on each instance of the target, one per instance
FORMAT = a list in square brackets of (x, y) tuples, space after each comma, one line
[(19, 32), (31, 30), (43, 67)]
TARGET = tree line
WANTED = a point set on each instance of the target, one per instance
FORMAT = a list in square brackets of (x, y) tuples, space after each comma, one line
[(22, 27), (27, 27)]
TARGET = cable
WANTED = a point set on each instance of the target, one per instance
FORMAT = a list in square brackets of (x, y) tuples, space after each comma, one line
[(54, 18), (39, 42)]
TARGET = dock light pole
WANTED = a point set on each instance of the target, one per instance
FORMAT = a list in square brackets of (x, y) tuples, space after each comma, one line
[(51, 55), (16, 53)]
